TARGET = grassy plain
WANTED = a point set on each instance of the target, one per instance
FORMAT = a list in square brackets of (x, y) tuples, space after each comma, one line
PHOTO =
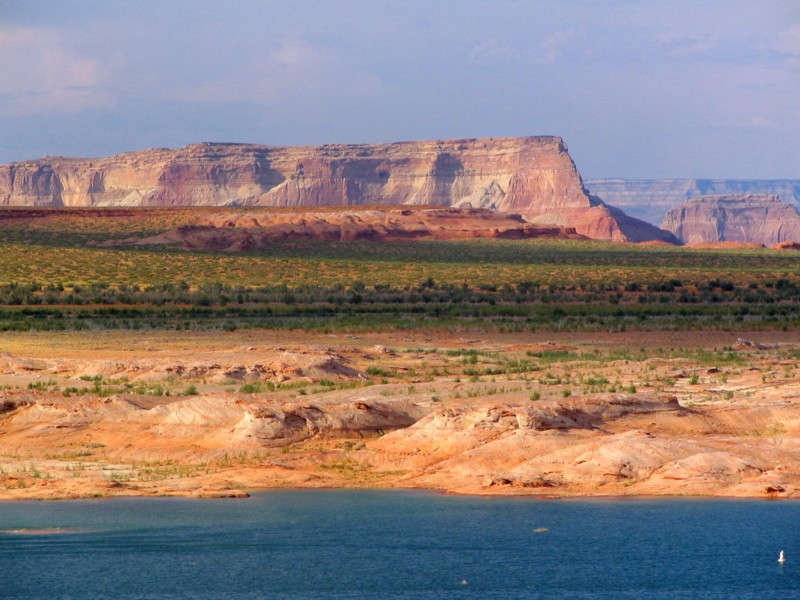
[(52, 277)]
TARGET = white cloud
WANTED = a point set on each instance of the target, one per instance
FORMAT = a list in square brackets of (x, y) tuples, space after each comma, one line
[(290, 72), (788, 44), (490, 51), (552, 47), (38, 73), (761, 122), (294, 53), (691, 47), (789, 41)]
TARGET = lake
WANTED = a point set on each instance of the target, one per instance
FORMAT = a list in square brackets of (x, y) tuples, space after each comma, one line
[(398, 544)]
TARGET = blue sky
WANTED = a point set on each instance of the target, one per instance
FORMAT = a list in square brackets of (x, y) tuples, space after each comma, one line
[(638, 89)]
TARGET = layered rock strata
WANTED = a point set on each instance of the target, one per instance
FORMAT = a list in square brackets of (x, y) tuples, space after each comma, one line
[(259, 228), (531, 176), (650, 199), (742, 218)]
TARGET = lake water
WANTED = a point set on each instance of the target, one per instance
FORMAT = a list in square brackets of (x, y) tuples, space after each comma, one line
[(389, 544)]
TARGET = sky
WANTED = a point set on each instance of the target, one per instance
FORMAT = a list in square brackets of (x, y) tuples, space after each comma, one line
[(637, 89)]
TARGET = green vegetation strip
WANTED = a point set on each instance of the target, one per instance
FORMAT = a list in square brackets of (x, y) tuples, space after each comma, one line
[(50, 279)]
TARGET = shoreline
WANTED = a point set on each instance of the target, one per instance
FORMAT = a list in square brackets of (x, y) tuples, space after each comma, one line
[(249, 493), (498, 415)]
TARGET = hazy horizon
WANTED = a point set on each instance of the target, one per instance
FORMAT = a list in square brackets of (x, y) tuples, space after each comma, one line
[(638, 90)]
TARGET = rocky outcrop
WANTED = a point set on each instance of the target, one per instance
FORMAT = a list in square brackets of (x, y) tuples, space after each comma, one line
[(616, 443), (744, 218), (294, 422), (650, 199), (395, 409), (531, 176), (255, 229)]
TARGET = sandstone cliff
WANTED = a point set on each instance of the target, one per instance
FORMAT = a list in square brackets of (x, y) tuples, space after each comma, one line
[(532, 176), (745, 218), (650, 199)]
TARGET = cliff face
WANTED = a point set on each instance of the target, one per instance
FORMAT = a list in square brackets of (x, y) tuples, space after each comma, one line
[(650, 199), (747, 218), (532, 176)]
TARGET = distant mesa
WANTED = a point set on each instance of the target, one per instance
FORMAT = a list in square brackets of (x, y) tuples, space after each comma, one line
[(651, 199), (533, 177), (750, 219)]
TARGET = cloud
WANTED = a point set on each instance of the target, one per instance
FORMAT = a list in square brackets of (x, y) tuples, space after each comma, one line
[(761, 122), (294, 53), (681, 46), (38, 73), (489, 52), (788, 44), (552, 47), (547, 51), (290, 73), (789, 41)]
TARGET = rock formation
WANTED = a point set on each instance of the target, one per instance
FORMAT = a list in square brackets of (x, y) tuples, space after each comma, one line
[(531, 176), (650, 199), (398, 413), (236, 231), (743, 218)]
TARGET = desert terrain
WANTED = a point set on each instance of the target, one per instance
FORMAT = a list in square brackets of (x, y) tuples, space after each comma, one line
[(219, 415), (213, 352)]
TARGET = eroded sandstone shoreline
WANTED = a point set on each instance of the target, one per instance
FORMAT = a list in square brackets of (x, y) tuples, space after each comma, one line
[(555, 415)]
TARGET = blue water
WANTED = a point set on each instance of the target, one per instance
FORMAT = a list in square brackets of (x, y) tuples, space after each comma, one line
[(370, 544)]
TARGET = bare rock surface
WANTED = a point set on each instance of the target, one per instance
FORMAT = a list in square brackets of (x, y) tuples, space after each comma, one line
[(237, 232), (742, 219), (530, 176), (303, 415)]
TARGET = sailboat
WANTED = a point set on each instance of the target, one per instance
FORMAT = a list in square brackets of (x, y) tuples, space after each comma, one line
[(781, 557)]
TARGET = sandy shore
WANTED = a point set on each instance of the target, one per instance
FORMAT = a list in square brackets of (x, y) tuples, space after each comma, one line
[(219, 415)]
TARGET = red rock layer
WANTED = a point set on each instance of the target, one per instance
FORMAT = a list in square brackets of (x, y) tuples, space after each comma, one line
[(259, 228)]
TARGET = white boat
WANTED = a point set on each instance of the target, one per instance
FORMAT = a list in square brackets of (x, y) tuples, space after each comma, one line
[(781, 557)]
